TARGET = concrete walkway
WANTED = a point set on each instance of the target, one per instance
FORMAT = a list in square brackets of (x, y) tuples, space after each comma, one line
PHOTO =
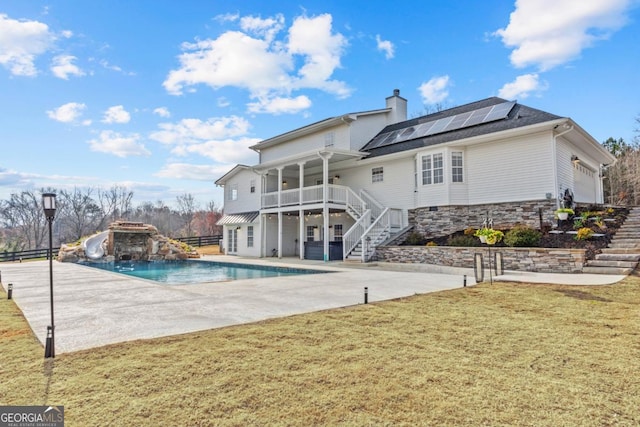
[(94, 308)]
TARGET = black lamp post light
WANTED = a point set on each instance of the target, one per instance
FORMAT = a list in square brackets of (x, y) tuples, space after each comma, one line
[(49, 206)]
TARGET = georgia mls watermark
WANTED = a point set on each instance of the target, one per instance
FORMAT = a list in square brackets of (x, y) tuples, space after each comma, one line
[(31, 416)]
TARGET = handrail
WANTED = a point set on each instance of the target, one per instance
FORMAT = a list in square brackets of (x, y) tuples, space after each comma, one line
[(376, 207), (375, 230), (353, 236)]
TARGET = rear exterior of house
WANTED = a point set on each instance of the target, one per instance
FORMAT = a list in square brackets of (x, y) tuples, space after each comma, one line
[(338, 188)]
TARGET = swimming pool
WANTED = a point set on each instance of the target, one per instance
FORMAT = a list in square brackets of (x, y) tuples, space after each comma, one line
[(190, 272)]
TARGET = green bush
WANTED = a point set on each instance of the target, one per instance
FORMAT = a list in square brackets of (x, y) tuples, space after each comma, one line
[(415, 238), (522, 236), (464, 240)]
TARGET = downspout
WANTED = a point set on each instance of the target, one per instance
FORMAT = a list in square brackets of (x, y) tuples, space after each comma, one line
[(554, 159)]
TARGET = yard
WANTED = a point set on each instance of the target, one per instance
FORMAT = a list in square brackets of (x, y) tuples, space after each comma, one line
[(501, 354)]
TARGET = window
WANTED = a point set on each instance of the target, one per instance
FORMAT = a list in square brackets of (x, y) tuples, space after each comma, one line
[(310, 233), (377, 174), (319, 181), (337, 232), (329, 139), (456, 167), (432, 169), (250, 236), (252, 186), (233, 192)]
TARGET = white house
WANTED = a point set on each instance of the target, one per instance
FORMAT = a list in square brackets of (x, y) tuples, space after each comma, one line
[(338, 188)]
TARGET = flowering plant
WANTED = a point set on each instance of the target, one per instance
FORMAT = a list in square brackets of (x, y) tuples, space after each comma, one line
[(489, 235)]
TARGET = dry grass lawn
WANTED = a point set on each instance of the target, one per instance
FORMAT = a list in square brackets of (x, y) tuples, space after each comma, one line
[(209, 250), (489, 355)]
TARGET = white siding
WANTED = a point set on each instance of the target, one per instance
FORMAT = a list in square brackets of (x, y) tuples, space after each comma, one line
[(582, 178), (510, 170), (246, 200), (396, 189), (243, 249), (365, 128), (314, 141)]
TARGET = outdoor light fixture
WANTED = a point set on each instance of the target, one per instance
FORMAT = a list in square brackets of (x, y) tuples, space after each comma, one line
[(575, 159), (49, 206)]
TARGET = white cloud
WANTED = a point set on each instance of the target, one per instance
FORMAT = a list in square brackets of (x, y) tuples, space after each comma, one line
[(314, 40), (194, 172), (162, 112), (67, 113), (522, 86), (548, 33), (255, 60), (118, 144), (192, 131), (63, 67), (21, 42), (116, 114), (229, 151), (435, 90), (280, 105), (265, 28), (385, 46)]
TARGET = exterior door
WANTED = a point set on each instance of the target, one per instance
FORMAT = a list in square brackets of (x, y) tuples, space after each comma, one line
[(232, 245)]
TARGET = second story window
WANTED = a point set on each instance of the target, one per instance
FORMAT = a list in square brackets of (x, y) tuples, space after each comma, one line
[(456, 167), (329, 138), (432, 169), (233, 192), (252, 186), (377, 174)]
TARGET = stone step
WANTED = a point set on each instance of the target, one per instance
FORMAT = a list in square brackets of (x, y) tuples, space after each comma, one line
[(631, 245), (619, 257), (607, 270), (605, 263), (620, 251)]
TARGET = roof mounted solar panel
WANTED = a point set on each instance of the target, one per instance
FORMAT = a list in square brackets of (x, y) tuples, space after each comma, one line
[(499, 111), (446, 124)]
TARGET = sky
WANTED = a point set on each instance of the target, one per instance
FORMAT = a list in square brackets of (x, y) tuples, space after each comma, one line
[(163, 97)]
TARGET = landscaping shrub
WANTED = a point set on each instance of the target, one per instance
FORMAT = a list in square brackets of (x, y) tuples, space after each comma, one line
[(415, 238), (522, 236), (584, 233), (463, 240), (432, 243)]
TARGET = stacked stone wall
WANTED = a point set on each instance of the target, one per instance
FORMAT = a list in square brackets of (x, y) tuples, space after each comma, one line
[(519, 259), (445, 220)]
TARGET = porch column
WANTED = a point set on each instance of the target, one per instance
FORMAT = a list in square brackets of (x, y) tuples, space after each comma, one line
[(301, 233), (301, 180), (280, 234), (280, 186), (325, 202)]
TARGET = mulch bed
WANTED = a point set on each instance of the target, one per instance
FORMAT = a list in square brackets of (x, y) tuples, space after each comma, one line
[(567, 240)]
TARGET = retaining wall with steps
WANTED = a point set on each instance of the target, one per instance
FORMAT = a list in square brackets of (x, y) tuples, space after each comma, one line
[(623, 253), (620, 257)]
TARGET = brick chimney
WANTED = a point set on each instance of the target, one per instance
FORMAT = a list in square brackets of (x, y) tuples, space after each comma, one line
[(398, 107)]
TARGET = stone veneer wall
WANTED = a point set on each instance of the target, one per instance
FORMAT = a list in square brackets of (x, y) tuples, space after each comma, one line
[(449, 219), (522, 259)]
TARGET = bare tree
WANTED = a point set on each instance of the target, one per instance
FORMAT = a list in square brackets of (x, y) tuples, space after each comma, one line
[(80, 214), (186, 209), (22, 215), (115, 204)]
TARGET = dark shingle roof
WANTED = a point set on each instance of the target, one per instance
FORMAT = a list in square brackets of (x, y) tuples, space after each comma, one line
[(519, 116)]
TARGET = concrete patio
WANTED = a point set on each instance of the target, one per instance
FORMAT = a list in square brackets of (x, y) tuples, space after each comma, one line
[(93, 308)]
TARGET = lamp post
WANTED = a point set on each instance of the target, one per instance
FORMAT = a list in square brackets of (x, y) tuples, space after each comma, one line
[(49, 206)]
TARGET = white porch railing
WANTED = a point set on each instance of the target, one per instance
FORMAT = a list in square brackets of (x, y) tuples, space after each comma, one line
[(337, 194), (354, 235)]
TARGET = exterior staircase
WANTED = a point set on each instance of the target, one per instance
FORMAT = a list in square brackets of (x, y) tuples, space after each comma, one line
[(623, 253)]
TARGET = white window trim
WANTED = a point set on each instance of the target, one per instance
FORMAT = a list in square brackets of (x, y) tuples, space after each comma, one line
[(377, 174)]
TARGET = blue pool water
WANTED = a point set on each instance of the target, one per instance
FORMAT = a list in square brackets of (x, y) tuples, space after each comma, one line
[(189, 272)]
